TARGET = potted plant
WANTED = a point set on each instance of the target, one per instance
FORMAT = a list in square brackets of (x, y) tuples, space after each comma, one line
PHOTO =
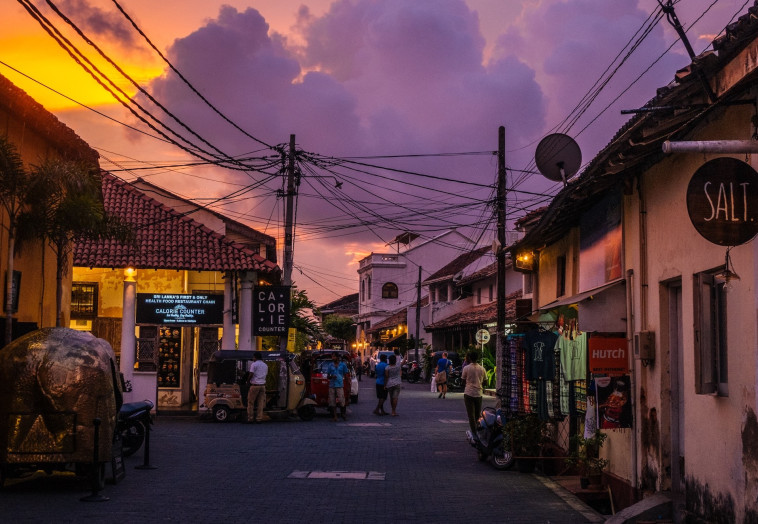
[(585, 458), (524, 434)]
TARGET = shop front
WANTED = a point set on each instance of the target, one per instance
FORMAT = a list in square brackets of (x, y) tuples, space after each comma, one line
[(177, 334), (166, 300)]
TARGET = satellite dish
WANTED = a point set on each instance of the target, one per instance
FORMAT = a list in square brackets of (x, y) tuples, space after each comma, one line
[(558, 157)]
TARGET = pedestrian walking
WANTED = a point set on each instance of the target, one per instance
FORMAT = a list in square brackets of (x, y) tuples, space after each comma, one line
[(474, 377), (392, 381), (381, 391), (336, 372), (440, 376), (358, 363), (256, 395)]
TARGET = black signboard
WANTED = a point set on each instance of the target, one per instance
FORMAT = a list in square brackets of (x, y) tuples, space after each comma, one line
[(722, 201), (271, 310), (154, 308)]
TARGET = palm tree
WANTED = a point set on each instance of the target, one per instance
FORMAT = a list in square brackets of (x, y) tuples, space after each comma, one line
[(65, 203), (14, 186)]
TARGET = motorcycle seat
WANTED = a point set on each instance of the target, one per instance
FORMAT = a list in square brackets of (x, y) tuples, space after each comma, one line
[(129, 409)]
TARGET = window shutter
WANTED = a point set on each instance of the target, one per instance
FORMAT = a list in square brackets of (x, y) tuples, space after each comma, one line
[(706, 353)]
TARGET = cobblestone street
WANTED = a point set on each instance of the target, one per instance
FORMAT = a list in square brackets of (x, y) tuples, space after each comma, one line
[(417, 467)]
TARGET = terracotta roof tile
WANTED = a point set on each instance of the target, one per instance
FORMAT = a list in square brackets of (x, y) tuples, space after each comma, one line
[(165, 239), (458, 264), (478, 315)]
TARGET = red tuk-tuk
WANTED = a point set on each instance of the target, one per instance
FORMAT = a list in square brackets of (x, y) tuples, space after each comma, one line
[(314, 365)]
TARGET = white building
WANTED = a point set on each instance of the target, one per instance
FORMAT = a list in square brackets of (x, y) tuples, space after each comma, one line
[(389, 281)]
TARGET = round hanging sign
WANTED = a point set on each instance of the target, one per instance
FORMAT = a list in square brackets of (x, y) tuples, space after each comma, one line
[(482, 336), (722, 201)]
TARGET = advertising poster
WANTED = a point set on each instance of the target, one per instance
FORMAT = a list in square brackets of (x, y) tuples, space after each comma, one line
[(608, 356), (613, 401)]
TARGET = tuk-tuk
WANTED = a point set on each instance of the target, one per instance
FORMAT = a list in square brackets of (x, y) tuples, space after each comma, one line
[(226, 392), (60, 393), (314, 365)]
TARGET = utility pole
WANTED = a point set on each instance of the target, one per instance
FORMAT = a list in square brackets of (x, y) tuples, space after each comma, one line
[(288, 227), (500, 257), (418, 312)]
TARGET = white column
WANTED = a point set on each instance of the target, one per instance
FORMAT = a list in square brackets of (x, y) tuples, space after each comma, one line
[(227, 337), (128, 325), (246, 312)]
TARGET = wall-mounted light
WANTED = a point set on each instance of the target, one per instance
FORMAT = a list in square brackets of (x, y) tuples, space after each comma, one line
[(728, 274), (525, 261), (130, 274)]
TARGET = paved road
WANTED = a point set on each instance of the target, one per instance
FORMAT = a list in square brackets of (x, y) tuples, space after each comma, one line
[(416, 467)]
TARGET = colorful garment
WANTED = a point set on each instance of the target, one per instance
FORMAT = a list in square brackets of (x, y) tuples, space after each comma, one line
[(573, 356)]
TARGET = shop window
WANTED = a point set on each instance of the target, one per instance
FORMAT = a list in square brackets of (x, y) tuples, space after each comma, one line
[(83, 300), (560, 263), (711, 377), (389, 290)]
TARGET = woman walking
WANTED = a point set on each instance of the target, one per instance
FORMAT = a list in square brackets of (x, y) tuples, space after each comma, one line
[(381, 390), (392, 380)]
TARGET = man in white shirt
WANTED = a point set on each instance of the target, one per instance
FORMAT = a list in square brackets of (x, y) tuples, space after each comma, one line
[(474, 376), (256, 396)]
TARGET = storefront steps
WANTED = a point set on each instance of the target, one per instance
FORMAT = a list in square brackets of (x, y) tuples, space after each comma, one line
[(655, 508)]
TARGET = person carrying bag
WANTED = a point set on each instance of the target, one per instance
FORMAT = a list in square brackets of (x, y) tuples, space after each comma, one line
[(441, 376)]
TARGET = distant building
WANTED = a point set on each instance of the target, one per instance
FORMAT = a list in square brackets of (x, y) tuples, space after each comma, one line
[(389, 281)]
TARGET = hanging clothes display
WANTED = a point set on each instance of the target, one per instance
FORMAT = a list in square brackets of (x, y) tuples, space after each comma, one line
[(540, 354), (514, 343), (573, 349)]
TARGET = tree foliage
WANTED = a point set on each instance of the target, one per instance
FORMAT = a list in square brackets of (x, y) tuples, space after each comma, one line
[(64, 203), (14, 188), (339, 327)]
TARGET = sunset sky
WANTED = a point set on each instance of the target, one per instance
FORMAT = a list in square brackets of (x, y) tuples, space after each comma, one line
[(419, 86)]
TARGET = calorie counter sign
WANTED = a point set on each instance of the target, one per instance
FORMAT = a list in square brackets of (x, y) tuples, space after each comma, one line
[(271, 310)]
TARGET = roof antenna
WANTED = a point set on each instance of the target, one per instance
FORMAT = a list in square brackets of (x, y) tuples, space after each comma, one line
[(668, 9)]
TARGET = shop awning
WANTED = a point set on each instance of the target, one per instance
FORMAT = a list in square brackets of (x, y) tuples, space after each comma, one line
[(575, 299)]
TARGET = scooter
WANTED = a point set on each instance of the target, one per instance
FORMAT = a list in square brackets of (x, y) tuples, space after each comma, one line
[(489, 440), (455, 380), (131, 424), (414, 372)]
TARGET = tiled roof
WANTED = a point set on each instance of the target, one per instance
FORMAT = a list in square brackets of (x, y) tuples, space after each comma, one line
[(347, 305), (31, 112), (398, 317), (483, 273), (458, 264), (478, 315), (165, 239)]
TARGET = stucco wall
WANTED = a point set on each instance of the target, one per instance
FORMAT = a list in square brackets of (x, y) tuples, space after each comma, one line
[(36, 263), (548, 270), (719, 471)]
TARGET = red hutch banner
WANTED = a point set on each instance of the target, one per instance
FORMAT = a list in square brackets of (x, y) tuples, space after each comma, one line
[(608, 356)]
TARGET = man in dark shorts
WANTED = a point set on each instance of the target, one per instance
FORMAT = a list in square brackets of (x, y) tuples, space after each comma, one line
[(381, 391)]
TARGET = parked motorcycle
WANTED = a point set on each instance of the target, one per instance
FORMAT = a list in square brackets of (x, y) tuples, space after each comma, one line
[(414, 372), (454, 379), (489, 440), (131, 424)]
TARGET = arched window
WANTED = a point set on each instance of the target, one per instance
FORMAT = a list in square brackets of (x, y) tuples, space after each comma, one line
[(389, 290)]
